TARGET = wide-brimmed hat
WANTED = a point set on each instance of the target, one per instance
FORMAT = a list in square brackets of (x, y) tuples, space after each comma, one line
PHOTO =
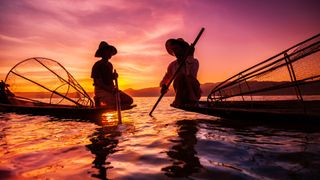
[(103, 46), (173, 42)]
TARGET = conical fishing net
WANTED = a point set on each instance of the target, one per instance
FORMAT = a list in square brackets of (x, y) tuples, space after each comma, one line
[(45, 80), (293, 72)]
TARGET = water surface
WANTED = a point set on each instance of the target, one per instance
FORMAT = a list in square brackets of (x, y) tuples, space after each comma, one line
[(172, 144)]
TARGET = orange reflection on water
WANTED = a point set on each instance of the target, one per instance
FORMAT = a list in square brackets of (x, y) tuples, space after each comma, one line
[(69, 164), (111, 119), (60, 136), (41, 147)]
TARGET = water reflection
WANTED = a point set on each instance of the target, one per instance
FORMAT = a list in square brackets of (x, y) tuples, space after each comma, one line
[(260, 150), (3, 139), (174, 144), (183, 153), (220, 149), (104, 142)]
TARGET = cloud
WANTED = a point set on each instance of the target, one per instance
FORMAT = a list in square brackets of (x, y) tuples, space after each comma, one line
[(12, 39), (70, 31)]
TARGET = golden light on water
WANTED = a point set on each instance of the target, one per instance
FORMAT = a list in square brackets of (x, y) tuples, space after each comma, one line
[(44, 146), (110, 119), (175, 143)]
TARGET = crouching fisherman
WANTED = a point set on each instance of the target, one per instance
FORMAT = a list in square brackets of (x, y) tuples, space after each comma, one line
[(186, 86), (103, 76)]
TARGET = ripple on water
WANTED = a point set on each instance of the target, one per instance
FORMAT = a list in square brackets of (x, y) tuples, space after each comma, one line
[(173, 143)]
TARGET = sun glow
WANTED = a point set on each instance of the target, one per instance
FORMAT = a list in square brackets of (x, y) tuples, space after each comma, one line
[(70, 33)]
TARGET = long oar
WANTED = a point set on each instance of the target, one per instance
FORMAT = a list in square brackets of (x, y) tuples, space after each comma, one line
[(179, 67), (118, 100)]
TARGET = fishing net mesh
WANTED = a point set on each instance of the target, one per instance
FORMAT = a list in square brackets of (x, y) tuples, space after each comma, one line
[(45, 80), (294, 72)]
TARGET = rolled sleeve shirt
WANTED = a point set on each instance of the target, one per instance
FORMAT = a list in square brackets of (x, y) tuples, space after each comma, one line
[(190, 68)]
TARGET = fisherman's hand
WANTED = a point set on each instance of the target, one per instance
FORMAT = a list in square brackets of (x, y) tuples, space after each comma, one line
[(191, 51), (164, 89), (115, 75)]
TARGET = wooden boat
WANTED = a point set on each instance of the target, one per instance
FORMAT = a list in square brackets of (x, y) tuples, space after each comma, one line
[(294, 71), (57, 93), (289, 110), (61, 111)]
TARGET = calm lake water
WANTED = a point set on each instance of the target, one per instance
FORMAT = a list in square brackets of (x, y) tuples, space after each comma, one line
[(172, 144)]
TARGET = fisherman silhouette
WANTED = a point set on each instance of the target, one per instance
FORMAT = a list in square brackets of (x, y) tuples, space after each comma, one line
[(103, 76), (5, 93), (186, 85)]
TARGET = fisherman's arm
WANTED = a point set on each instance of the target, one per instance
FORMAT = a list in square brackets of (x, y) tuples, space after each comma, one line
[(165, 80), (170, 71), (115, 75)]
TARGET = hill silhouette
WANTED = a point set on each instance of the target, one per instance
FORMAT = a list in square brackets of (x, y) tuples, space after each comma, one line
[(311, 89), (155, 91)]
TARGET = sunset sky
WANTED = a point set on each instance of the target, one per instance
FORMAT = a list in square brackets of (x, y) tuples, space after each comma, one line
[(239, 34)]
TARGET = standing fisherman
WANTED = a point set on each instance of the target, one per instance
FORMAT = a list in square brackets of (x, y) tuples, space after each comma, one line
[(103, 76)]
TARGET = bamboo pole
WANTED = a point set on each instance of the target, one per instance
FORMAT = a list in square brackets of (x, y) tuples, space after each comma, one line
[(118, 100), (180, 67)]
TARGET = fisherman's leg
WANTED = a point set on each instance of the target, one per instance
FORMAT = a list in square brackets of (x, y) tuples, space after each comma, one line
[(103, 97), (193, 89), (180, 90), (125, 98), (108, 99)]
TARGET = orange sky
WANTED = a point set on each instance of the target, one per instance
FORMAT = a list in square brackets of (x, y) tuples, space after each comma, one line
[(238, 34)]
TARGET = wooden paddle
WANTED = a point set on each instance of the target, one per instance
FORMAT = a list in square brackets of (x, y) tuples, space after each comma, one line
[(118, 100), (179, 67)]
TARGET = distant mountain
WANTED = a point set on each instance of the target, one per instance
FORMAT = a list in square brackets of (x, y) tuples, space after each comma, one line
[(155, 91), (310, 89)]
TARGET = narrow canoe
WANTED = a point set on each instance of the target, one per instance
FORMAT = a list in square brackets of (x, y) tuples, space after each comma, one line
[(290, 110), (62, 111)]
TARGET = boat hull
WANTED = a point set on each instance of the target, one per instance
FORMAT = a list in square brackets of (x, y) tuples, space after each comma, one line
[(83, 113), (260, 111)]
